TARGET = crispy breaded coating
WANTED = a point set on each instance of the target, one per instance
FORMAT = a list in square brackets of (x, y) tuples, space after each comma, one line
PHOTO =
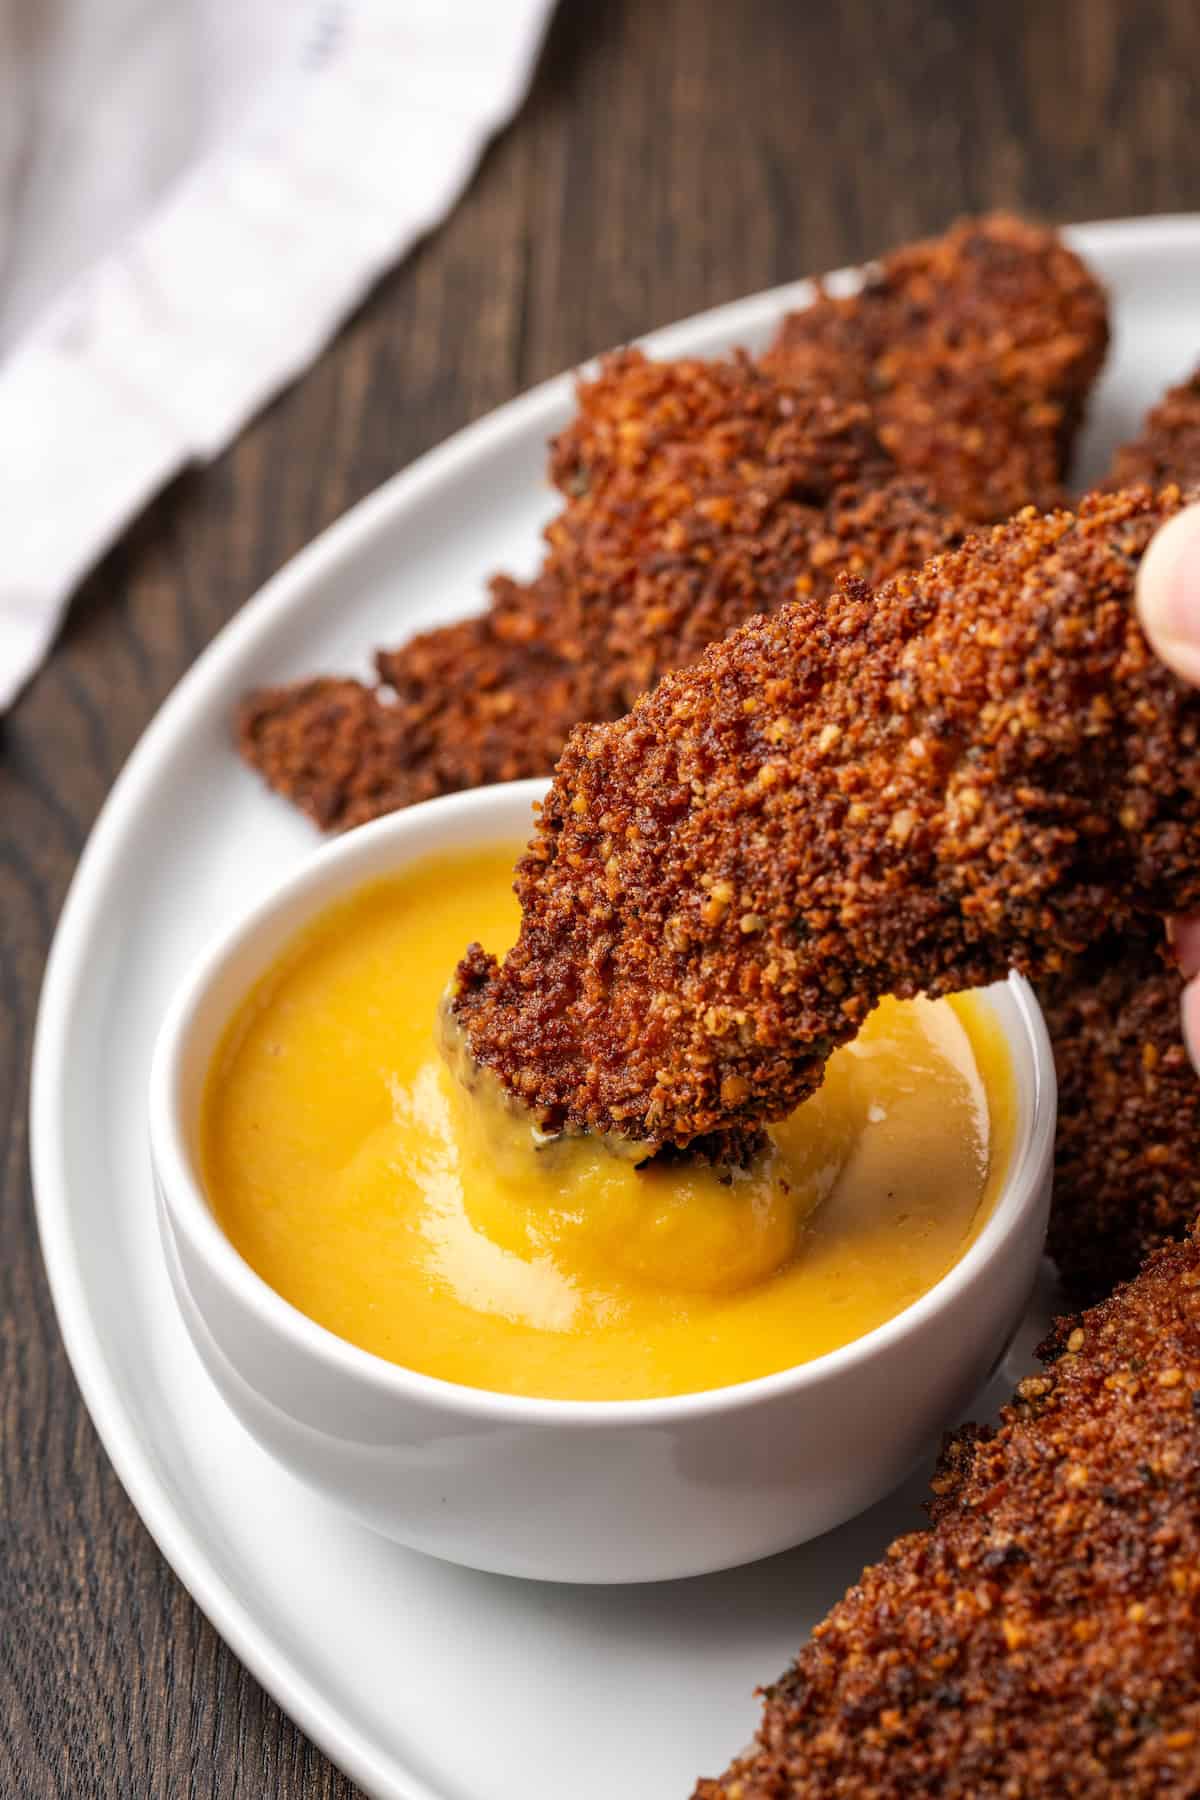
[(344, 753), (975, 352), (911, 789), (1168, 448), (1127, 1152), (1129, 1101), (327, 743), (704, 493), (700, 493), (1044, 1637)]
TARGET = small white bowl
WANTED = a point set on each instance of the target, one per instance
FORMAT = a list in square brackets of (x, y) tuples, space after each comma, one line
[(600, 1491)]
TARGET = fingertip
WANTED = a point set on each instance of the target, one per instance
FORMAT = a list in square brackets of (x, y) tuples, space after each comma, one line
[(1168, 593), (1184, 938), (1191, 1022)]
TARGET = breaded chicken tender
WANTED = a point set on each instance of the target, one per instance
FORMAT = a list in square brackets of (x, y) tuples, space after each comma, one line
[(1044, 1637), (1125, 1162), (345, 754), (702, 493), (1168, 447), (905, 790), (1127, 1151), (975, 352), (698, 494)]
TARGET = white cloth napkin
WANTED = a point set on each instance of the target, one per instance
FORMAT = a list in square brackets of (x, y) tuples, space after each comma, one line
[(193, 194)]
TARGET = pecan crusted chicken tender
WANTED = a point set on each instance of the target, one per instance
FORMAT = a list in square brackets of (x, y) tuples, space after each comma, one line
[(975, 352), (345, 753), (1126, 1171), (1168, 446), (1125, 1167), (698, 494), (1044, 1637), (897, 791)]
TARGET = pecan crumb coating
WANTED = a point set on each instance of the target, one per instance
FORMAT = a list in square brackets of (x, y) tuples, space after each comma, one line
[(702, 494), (979, 766), (698, 494), (1044, 1637), (1168, 447), (345, 753), (1125, 1179), (1126, 1168), (975, 352)]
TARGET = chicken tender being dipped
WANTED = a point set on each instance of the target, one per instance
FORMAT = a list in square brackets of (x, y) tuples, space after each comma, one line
[(911, 790)]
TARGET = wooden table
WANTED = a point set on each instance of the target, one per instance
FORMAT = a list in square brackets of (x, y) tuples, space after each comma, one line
[(673, 154)]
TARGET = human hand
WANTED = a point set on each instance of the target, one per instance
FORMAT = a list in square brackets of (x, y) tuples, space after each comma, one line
[(1168, 599)]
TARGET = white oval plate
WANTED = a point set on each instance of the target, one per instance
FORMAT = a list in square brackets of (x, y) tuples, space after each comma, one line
[(418, 1679)]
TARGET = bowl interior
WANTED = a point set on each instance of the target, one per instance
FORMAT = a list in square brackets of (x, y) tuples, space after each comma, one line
[(193, 1029)]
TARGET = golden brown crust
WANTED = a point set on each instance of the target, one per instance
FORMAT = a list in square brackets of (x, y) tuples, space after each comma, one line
[(975, 352), (1125, 1176), (888, 792), (1044, 1637), (327, 743), (346, 753), (1126, 1166), (702, 494), (705, 493), (699, 494), (1168, 447)]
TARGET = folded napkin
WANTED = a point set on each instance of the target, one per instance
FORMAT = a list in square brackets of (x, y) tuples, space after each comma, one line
[(193, 195)]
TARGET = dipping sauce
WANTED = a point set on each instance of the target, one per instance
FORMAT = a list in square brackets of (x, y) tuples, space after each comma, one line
[(360, 1179)]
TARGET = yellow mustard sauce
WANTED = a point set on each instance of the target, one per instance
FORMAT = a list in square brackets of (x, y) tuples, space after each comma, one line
[(373, 1191)]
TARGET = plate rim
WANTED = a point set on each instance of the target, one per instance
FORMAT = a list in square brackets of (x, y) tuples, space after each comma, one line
[(67, 965)]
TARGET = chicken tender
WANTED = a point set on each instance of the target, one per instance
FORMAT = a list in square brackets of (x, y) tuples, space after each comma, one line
[(345, 754), (975, 352), (1044, 1637), (890, 792), (1126, 1168), (703, 493), (1168, 448), (1128, 1099), (698, 494)]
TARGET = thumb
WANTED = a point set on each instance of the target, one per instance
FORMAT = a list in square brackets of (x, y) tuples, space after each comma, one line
[(1191, 1021), (1168, 593)]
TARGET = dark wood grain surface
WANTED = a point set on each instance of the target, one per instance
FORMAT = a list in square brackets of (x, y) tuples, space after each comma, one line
[(673, 154)]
